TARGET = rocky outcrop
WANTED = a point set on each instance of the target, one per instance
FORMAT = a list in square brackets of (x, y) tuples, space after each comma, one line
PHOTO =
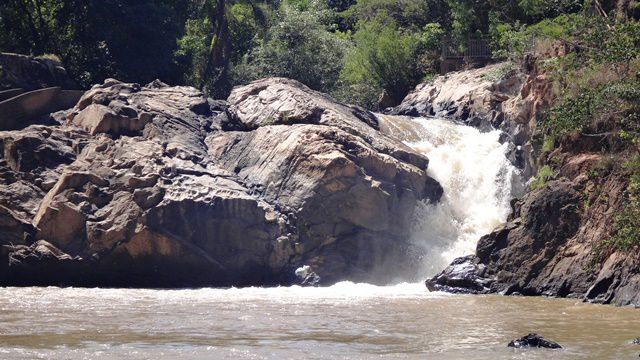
[(29, 73), (159, 186), (499, 96)]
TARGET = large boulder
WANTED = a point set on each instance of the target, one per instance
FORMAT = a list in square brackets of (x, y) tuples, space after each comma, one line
[(159, 186)]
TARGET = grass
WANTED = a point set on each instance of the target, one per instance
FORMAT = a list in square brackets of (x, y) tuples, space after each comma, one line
[(548, 144), (500, 73)]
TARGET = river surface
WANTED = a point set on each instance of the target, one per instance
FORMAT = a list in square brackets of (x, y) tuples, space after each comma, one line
[(345, 321)]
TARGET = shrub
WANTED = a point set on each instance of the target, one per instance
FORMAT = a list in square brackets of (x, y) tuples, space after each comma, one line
[(627, 222), (611, 106), (387, 58), (544, 175), (500, 72), (548, 144), (299, 47)]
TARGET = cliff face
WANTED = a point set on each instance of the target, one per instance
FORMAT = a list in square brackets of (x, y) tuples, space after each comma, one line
[(159, 186), (551, 243)]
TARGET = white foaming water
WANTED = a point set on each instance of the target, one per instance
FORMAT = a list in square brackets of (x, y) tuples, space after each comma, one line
[(478, 181)]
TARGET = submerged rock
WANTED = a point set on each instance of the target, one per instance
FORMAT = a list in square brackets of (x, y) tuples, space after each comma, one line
[(534, 340), (159, 186)]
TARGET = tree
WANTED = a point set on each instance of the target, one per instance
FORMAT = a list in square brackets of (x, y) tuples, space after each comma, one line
[(298, 46), (95, 39), (220, 34), (386, 59)]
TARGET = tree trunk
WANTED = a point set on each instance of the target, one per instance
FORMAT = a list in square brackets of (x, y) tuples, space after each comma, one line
[(218, 60)]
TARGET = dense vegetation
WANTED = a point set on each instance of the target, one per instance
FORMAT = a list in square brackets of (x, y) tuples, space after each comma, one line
[(594, 63), (354, 49)]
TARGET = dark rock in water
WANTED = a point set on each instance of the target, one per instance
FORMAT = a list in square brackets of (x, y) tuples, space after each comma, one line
[(534, 340), (636, 341), (463, 276), (307, 276)]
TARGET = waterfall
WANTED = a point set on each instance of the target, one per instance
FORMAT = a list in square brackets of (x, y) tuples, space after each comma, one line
[(478, 181)]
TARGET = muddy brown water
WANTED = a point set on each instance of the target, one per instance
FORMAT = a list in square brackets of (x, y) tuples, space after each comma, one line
[(345, 321)]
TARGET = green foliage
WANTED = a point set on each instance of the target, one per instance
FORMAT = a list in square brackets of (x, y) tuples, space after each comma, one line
[(549, 8), (406, 14), (545, 174), (513, 40), (618, 46), (589, 106), (381, 58), (354, 49), (597, 81), (548, 144), (97, 39), (627, 222), (384, 59), (193, 49), (298, 46)]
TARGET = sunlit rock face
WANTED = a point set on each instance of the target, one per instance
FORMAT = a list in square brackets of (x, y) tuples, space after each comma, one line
[(159, 186)]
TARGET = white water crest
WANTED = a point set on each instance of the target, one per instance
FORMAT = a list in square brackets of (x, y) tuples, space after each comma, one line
[(478, 181)]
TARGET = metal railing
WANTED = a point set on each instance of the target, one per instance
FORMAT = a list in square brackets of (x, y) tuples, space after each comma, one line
[(479, 48)]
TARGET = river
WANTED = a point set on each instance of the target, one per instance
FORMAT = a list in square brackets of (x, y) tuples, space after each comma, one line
[(344, 321)]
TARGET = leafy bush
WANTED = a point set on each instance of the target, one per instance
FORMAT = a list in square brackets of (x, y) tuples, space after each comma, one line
[(384, 59), (627, 222), (614, 105), (500, 72), (548, 144), (513, 40), (405, 13), (544, 175), (298, 46)]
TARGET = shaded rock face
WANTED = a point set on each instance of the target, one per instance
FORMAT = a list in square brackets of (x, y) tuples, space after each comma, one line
[(510, 259), (159, 186), (29, 73), (488, 99)]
